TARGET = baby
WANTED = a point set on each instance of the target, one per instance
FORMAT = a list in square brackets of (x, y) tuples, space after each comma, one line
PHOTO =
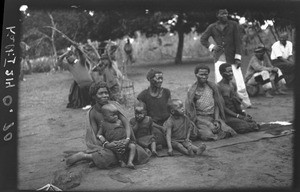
[(179, 128), (143, 129), (114, 132)]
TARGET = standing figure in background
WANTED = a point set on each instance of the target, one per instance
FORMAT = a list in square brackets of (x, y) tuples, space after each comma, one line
[(97, 72), (282, 57), (128, 51), (228, 49), (79, 92), (111, 75)]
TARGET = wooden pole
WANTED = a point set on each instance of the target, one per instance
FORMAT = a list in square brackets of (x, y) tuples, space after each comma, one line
[(89, 60)]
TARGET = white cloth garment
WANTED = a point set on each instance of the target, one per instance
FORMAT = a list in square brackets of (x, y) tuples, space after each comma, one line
[(238, 78)]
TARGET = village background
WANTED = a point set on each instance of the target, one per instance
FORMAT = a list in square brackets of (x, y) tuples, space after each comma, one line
[(48, 130)]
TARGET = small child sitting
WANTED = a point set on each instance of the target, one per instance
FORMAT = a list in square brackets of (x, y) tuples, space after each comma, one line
[(143, 129), (179, 127), (112, 130)]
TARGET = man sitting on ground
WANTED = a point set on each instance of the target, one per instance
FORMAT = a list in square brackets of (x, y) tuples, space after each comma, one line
[(282, 57), (261, 71), (236, 118)]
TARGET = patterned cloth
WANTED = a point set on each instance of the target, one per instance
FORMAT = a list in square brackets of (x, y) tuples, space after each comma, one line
[(205, 104), (204, 123)]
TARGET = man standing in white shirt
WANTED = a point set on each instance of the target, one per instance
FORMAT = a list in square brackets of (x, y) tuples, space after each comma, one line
[(282, 57)]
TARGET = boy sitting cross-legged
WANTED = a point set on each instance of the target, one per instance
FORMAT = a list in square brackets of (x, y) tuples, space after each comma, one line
[(142, 125), (179, 128)]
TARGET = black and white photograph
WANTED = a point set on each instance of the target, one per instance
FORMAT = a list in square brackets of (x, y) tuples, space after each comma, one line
[(203, 95)]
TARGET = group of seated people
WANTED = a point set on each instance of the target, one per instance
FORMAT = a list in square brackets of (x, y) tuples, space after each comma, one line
[(212, 111), (273, 74)]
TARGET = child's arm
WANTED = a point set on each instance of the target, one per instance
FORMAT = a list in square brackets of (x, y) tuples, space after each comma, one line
[(168, 136), (151, 125), (93, 121), (189, 128), (168, 125), (133, 125), (127, 127), (100, 136)]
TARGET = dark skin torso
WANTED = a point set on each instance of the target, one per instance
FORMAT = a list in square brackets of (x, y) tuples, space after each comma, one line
[(226, 88), (95, 118)]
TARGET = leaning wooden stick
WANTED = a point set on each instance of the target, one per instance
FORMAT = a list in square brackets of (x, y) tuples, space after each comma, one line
[(269, 57), (89, 60), (95, 50), (271, 29)]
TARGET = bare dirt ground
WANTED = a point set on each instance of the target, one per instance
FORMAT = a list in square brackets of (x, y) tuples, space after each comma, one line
[(47, 129)]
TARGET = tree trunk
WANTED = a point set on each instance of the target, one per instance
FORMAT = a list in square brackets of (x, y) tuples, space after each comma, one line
[(54, 67), (178, 59)]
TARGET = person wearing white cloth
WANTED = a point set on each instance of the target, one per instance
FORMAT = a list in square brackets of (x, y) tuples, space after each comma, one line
[(282, 57), (261, 71), (226, 35)]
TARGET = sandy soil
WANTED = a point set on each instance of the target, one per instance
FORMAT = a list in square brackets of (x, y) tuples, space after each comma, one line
[(47, 129)]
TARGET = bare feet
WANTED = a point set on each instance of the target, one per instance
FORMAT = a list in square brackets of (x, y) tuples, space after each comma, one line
[(154, 153), (74, 158), (122, 164), (281, 92), (268, 94), (191, 152), (201, 149), (148, 151), (159, 147), (130, 166)]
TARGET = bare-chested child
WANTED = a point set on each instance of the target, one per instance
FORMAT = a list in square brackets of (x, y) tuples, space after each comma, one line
[(113, 130), (142, 126), (179, 128)]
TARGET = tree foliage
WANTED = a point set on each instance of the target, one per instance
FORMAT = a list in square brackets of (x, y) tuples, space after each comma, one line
[(80, 24)]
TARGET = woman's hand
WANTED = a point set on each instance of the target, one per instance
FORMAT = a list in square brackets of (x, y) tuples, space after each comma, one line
[(125, 141), (245, 117), (111, 145), (170, 152), (217, 127)]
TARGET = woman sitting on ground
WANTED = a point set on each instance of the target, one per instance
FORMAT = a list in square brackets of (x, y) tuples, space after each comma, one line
[(98, 152), (205, 107), (156, 98)]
